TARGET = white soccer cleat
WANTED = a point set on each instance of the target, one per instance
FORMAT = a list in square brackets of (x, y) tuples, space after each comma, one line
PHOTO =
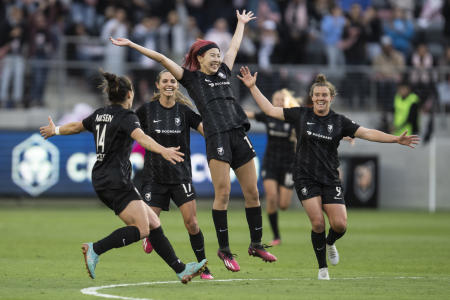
[(323, 274), (333, 255)]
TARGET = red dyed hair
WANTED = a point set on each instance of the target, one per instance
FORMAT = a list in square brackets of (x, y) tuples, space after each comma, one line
[(190, 60)]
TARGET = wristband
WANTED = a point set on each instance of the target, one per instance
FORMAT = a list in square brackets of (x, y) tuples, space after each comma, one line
[(57, 130)]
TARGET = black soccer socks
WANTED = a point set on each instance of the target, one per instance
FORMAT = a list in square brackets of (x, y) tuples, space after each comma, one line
[(254, 220), (221, 225), (273, 219), (333, 236), (198, 245), (318, 242), (119, 238), (164, 249)]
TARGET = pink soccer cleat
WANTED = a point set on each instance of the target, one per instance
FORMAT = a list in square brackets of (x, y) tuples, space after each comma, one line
[(260, 251), (275, 242), (229, 261), (148, 248), (206, 275)]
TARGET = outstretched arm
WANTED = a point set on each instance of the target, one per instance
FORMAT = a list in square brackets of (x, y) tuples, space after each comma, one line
[(261, 100), (250, 114), (230, 55), (171, 153), (66, 129), (166, 62), (374, 135)]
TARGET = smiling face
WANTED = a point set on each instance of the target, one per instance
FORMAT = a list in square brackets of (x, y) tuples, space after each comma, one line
[(167, 85), (321, 99), (209, 61), (278, 99)]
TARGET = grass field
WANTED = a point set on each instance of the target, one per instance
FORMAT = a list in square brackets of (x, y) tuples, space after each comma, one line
[(384, 255)]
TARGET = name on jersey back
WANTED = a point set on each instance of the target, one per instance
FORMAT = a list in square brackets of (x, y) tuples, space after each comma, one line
[(104, 118)]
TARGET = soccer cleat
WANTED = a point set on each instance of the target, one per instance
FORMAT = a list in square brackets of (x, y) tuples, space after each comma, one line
[(323, 274), (148, 248), (90, 258), (191, 270), (206, 275), (228, 260), (260, 251), (333, 255), (275, 242)]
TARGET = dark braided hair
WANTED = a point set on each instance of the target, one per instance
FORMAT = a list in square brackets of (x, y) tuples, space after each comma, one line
[(115, 87)]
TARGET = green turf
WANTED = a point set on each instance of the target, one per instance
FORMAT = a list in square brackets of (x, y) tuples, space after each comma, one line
[(384, 255)]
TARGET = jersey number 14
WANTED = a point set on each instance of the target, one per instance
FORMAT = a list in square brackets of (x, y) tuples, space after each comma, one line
[(100, 138)]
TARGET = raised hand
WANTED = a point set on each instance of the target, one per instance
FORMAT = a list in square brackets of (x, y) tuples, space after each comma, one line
[(247, 77), (408, 140), (49, 130), (245, 17), (120, 41), (173, 155)]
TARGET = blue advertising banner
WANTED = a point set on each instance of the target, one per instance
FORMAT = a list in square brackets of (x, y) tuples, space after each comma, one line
[(61, 166)]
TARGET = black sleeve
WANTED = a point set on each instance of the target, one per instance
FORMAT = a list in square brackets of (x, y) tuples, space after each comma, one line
[(129, 123), (292, 115), (412, 118), (227, 70), (88, 123), (349, 127), (192, 118), (142, 115), (187, 78), (261, 117)]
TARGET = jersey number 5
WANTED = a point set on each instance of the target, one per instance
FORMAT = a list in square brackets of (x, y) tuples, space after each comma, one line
[(100, 138)]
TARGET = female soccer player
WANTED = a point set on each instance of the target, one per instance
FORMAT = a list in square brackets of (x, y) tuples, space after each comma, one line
[(168, 119), (278, 158), (319, 131), (114, 128), (206, 79)]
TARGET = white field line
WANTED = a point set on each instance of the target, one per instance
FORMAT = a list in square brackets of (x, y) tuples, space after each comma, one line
[(93, 291)]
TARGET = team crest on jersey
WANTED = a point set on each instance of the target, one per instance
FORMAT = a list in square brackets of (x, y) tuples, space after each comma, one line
[(148, 196), (177, 121), (220, 151), (330, 128), (304, 191), (221, 75)]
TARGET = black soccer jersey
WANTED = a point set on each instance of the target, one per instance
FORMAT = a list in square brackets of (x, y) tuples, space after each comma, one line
[(170, 127), (280, 151), (215, 101), (317, 141), (112, 126)]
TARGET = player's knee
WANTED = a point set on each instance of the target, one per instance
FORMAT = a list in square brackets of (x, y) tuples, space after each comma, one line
[(191, 225), (144, 230), (340, 226), (284, 205), (251, 193), (318, 225)]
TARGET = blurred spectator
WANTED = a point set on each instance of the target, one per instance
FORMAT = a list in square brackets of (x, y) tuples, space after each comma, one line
[(430, 13), (220, 35), (346, 5), (388, 67), (268, 41), (115, 57), (406, 110), (85, 12), (173, 34), (12, 46), (443, 86), (423, 76), (79, 112), (401, 31), (332, 28), (374, 31), (146, 34), (408, 6), (247, 51), (193, 32), (355, 85), (296, 31), (446, 15), (264, 10), (41, 49)]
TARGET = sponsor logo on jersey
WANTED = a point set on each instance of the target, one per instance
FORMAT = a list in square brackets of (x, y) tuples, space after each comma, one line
[(220, 151), (148, 196), (35, 165)]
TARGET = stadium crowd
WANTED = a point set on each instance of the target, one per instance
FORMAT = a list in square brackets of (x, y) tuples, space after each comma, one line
[(345, 36)]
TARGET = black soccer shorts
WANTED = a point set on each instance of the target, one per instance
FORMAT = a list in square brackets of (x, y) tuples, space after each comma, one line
[(232, 146), (330, 194), (159, 195)]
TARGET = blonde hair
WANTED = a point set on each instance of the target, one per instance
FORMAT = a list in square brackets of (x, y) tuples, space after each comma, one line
[(179, 97), (289, 99), (321, 80)]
